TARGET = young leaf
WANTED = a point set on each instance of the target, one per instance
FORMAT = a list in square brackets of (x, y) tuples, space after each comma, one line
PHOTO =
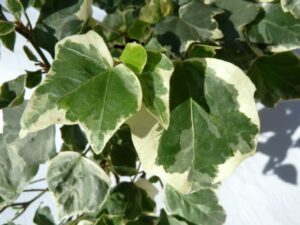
[(155, 81), (134, 56), (43, 216), (276, 77), (187, 28), (15, 7), (202, 51), (12, 92), (71, 94), (191, 154), (292, 6), (200, 207), (59, 19), (278, 29), (6, 27), (78, 184)]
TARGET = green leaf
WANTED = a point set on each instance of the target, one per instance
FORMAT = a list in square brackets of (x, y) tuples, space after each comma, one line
[(6, 27), (9, 40), (170, 220), (144, 220), (187, 28), (128, 201), (134, 56), (33, 78), (70, 93), (200, 207), (276, 77), (202, 51), (154, 45), (74, 138), (292, 6), (59, 19), (122, 153), (43, 216), (30, 55), (154, 10), (138, 30), (204, 143), (15, 7), (78, 184), (155, 81), (277, 29), (239, 13), (12, 92), (17, 166), (109, 220)]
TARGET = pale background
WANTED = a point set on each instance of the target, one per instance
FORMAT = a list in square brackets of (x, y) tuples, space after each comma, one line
[(264, 190)]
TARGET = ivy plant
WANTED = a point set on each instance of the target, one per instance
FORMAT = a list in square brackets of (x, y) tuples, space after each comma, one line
[(158, 96)]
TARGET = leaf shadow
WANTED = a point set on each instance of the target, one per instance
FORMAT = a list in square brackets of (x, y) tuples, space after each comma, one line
[(279, 129)]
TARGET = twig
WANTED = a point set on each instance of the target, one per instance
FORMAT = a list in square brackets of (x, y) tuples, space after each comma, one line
[(23, 30), (24, 205), (36, 181), (34, 190)]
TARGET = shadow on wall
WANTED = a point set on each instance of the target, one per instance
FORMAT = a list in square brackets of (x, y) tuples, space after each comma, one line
[(280, 131)]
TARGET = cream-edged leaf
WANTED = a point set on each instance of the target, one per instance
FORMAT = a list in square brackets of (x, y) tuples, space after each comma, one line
[(277, 29), (155, 82), (200, 207), (20, 158), (198, 149), (83, 88), (59, 19), (78, 184), (292, 6), (187, 28)]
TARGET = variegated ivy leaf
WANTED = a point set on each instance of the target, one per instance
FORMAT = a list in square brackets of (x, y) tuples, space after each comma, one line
[(78, 184), (20, 157), (239, 20), (84, 88), (200, 207), (59, 19), (279, 30), (43, 216), (154, 10), (15, 7), (12, 92), (292, 6), (213, 127), (187, 28), (155, 81)]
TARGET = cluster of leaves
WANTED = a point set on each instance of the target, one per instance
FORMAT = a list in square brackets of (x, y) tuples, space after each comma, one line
[(159, 91)]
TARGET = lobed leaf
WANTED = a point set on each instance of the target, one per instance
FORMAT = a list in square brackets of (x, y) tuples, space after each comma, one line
[(78, 184), (71, 95), (276, 77), (190, 154)]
